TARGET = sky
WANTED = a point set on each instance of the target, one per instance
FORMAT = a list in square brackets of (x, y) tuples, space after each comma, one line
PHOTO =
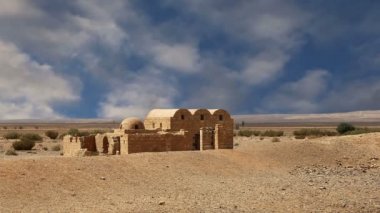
[(120, 58)]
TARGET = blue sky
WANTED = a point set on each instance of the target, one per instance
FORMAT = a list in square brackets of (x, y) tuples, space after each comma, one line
[(119, 58)]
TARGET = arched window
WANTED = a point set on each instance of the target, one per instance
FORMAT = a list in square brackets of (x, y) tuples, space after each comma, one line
[(202, 117), (220, 117), (136, 126), (182, 117)]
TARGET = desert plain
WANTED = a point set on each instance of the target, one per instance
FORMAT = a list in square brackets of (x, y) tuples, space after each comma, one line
[(322, 174)]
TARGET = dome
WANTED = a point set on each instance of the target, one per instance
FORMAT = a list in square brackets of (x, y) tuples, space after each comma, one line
[(132, 123)]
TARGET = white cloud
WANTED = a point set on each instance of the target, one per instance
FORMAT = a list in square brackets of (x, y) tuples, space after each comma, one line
[(299, 96), (264, 67), (137, 96), (179, 57), (17, 8), (29, 89), (273, 30)]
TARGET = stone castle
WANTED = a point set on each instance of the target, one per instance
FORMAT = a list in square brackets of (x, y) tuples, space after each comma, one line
[(162, 130)]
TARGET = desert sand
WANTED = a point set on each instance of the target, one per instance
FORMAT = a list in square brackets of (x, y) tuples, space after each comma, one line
[(328, 174)]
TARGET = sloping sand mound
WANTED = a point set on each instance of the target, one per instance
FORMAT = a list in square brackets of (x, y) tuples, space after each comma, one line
[(323, 174)]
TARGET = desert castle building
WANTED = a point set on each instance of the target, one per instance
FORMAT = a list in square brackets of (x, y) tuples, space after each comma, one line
[(162, 130)]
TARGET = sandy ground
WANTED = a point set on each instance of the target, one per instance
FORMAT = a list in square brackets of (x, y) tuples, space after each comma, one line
[(334, 174)]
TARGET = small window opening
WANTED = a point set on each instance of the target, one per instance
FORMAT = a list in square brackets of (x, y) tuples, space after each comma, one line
[(182, 117), (220, 117), (161, 125), (154, 125), (202, 117), (136, 126)]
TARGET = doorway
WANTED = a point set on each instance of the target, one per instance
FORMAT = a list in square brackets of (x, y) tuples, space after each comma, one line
[(105, 145), (196, 141)]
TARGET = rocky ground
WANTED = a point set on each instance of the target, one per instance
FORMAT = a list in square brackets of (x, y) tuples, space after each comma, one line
[(329, 174)]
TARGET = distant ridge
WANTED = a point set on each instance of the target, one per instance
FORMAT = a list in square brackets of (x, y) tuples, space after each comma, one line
[(69, 120), (356, 116)]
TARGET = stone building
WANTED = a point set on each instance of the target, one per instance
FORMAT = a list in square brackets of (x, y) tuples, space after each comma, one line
[(162, 130)]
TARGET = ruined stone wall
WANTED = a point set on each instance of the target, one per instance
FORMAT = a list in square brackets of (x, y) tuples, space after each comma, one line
[(71, 145), (78, 146), (156, 142), (224, 137)]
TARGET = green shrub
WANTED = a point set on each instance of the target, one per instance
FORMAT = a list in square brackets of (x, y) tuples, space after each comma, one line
[(23, 144), (364, 130), (31, 136), (344, 128), (248, 133), (73, 132), (272, 133), (12, 135), (313, 132), (52, 134), (56, 148)]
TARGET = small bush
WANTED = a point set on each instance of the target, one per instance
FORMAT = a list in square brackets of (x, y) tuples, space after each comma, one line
[(12, 135), (272, 133), (10, 152), (45, 148), (73, 132), (345, 127), (4, 127), (245, 133), (302, 133), (23, 144), (52, 134), (275, 140), (56, 148), (31, 136), (364, 130), (248, 133)]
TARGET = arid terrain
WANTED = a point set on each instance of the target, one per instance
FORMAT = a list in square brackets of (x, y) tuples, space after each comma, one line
[(327, 174)]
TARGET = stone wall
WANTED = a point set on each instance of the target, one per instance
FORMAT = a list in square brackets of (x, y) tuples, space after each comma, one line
[(157, 123), (79, 146), (156, 142), (223, 137), (207, 138)]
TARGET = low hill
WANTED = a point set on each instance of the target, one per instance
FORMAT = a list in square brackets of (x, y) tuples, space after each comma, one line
[(354, 117)]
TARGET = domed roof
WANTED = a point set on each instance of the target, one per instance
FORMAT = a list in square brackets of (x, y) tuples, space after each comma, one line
[(165, 113), (132, 123)]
